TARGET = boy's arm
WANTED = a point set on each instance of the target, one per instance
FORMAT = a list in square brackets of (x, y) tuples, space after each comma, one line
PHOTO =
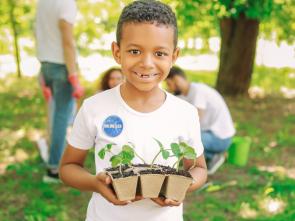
[(75, 175), (198, 170)]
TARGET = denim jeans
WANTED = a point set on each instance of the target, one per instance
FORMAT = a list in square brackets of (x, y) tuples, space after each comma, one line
[(55, 76), (213, 144)]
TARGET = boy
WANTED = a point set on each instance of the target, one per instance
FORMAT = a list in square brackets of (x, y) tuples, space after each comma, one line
[(217, 128), (135, 111)]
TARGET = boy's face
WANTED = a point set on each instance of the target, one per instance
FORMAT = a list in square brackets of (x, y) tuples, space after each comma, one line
[(146, 54)]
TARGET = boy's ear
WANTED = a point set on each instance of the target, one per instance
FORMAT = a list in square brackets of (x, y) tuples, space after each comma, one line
[(116, 52), (175, 55)]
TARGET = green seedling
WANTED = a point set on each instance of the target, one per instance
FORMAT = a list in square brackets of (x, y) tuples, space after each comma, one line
[(165, 152), (182, 150), (136, 154), (124, 157)]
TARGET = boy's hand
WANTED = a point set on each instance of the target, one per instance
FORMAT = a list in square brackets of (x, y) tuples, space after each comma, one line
[(165, 202), (78, 90), (105, 190)]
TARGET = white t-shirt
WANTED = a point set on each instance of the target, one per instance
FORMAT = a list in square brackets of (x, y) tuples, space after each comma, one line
[(48, 35), (216, 116), (106, 118)]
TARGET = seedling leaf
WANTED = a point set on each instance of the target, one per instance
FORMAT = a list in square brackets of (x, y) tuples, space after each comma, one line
[(102, 153), (176, 149), (116, 160), (109, 146), (159, 143), (165, 154)]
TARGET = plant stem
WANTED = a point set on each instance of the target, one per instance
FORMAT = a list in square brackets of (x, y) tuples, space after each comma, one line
[(155, 158), (193, 166), (120, 169), (139, 157), (177, 163), (136, 154)]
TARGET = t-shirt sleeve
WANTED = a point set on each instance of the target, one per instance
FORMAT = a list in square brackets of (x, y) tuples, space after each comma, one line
[(195, 132), (68, 11), (199, 101), (83, 132)]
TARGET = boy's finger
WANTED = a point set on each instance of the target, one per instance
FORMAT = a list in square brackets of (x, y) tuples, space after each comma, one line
[(108, 180), (103, 177), (137, 198), (170, 202), (110, 196), (159, 201)]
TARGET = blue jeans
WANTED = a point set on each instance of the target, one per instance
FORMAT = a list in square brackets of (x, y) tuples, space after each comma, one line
[(55, 76), (213, 144)]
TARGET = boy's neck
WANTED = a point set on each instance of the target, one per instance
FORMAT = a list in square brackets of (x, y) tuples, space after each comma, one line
[(142, 101)]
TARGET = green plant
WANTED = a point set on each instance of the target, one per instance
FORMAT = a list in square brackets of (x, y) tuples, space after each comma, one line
[(124, 157), (182, 150), (165, 152)]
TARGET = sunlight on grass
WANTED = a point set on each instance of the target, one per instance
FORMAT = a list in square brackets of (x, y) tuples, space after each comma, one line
[(272, 206), (279, 171), (247, 212), (256, 92)]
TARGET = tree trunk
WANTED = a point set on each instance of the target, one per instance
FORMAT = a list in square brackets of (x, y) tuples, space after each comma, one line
[(237, 54), (15, 37)]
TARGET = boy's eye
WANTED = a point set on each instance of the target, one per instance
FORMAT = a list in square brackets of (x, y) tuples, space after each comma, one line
[(161, 54), (134, 51)]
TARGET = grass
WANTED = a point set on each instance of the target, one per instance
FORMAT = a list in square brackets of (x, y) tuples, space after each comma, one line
[(235, 193)]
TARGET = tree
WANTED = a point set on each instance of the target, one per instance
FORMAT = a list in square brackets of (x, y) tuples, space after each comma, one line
[(238, 22), (16, 19), (15, 35)]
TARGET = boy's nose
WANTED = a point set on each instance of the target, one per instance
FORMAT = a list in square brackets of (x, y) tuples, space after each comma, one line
[(147, 61)]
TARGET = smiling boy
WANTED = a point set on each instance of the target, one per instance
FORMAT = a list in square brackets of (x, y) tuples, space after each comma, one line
[(136, 111)]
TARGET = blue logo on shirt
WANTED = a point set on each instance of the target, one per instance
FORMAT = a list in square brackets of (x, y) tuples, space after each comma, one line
[(112, 126)]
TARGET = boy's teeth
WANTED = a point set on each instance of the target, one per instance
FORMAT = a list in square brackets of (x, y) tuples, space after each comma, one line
[(146, 75)]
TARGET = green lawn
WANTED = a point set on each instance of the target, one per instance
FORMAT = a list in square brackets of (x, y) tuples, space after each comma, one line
[(234, 194)]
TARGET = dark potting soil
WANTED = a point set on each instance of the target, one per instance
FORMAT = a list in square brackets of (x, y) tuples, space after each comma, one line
[(170, 170), (155, 169), (152, 171), (115, 172), (124, 174), (123, 167), (159, 169), (163, 170)]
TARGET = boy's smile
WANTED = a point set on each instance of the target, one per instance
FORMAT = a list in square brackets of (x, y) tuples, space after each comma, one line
[(146, 54)]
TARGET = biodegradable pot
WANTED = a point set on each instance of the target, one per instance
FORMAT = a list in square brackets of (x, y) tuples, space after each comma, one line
[(175, 187), (125, 187), (150, 185)]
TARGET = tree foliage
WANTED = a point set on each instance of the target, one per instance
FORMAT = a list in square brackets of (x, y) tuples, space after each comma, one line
[(23, 19), (277, 17), (196, 18)]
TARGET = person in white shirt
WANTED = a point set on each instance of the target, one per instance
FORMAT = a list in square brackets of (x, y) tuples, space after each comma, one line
[(56, 52), (136, 111), (217, 128)]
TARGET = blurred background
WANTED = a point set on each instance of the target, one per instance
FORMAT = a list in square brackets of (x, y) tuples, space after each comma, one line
[(244, 48)]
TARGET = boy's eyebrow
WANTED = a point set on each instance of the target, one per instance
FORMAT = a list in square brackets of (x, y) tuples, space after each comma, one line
[(138, 46)]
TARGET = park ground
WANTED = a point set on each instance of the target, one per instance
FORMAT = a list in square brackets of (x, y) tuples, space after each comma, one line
[(263, 190)]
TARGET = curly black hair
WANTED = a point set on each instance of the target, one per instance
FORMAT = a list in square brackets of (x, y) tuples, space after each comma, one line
[(149, 11)]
